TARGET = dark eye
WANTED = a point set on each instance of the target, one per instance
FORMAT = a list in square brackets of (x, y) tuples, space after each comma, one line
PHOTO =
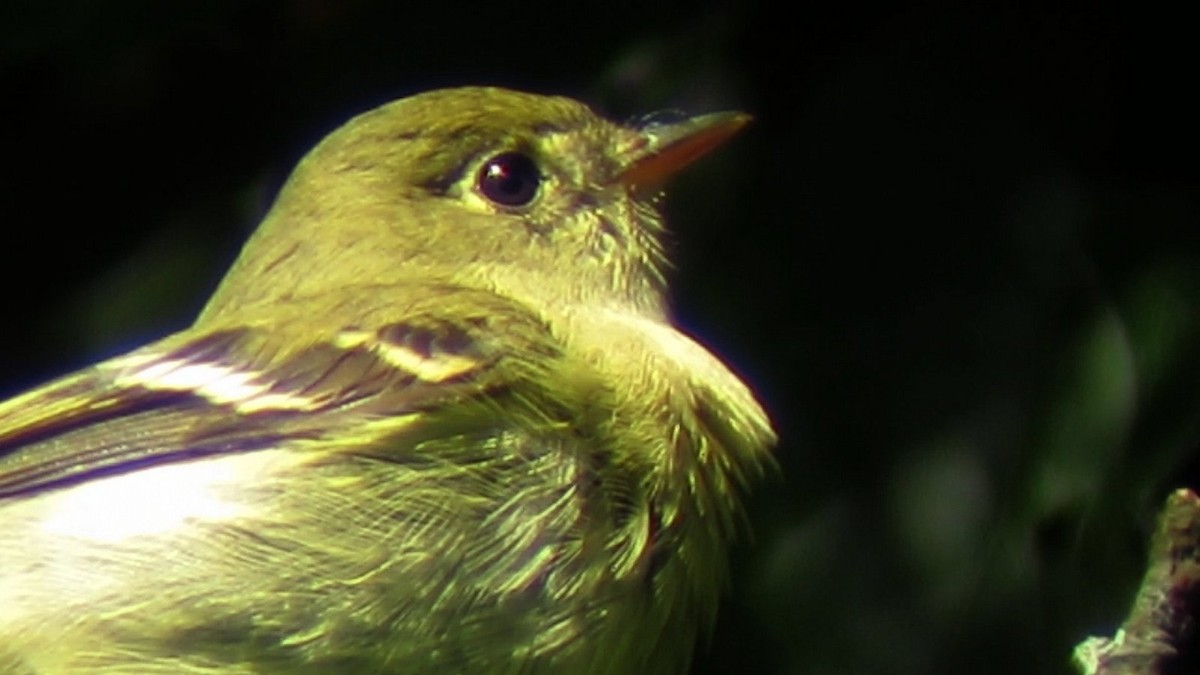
[(509, 179)]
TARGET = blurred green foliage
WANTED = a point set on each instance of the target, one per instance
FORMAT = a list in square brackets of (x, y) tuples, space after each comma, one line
[(957, 253)]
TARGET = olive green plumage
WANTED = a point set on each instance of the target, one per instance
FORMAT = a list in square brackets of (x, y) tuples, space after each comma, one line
[(435, 419)]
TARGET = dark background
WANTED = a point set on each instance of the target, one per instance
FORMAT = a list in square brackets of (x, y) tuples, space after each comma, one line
[(956, 253)]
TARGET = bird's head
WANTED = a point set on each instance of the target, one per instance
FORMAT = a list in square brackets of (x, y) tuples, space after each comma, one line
[(534, 197)]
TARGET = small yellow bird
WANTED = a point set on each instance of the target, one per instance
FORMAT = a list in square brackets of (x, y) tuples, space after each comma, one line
[(436, 419)]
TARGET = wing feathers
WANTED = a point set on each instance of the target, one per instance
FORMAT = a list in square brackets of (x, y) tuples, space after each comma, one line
[(232, 391)]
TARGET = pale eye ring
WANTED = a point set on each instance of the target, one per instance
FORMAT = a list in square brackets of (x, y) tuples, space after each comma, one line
[(509, 179)]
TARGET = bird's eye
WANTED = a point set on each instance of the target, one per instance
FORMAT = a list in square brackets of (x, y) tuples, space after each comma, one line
[(509, 179)]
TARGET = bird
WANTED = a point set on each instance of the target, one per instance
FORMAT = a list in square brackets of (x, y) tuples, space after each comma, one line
[(435, 419)]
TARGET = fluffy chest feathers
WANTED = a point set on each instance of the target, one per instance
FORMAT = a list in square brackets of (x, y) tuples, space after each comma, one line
[(503, 483)]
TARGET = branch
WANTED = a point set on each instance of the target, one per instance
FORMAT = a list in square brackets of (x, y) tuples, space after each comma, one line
[(1159, 635)]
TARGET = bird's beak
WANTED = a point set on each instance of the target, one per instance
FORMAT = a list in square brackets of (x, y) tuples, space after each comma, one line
[(662, 149)]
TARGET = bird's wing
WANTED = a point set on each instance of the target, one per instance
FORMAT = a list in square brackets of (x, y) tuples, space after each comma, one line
[(240, 389)]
